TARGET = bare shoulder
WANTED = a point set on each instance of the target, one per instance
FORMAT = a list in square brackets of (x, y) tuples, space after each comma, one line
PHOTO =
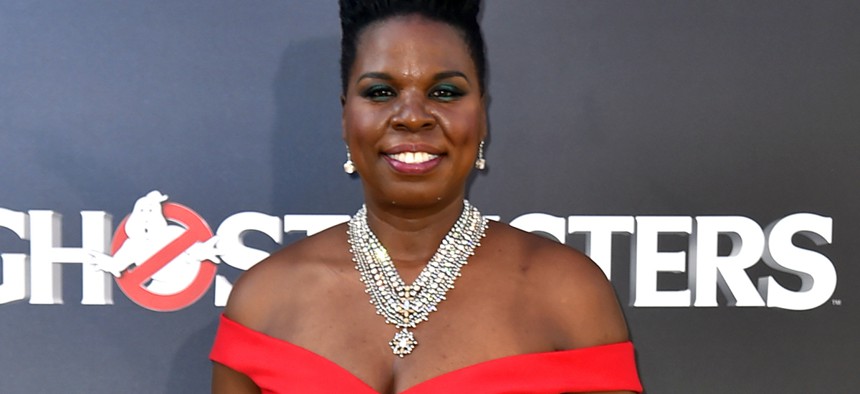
[(285, 278), (574, 295)]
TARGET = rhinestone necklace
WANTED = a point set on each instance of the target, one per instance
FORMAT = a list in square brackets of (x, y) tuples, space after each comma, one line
[(407, 305)]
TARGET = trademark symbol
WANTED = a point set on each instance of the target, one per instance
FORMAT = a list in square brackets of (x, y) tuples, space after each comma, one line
[(836, 302)]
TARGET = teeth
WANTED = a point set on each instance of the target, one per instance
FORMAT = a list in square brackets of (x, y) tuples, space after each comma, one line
[(413, 157)]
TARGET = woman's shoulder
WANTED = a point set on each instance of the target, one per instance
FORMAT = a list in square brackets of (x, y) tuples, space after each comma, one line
[(277, 281), (544, 258), (576, 299)]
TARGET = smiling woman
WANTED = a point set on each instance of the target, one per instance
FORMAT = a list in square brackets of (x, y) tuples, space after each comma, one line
[(527, 315), (413, 113)]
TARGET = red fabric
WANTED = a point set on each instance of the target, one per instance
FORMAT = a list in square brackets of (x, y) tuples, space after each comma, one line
[(278, 366)]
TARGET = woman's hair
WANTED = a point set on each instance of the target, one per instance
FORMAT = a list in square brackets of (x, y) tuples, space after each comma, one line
[(356, 15)]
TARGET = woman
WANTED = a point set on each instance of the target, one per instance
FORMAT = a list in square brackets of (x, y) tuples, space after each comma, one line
[(526, 315)]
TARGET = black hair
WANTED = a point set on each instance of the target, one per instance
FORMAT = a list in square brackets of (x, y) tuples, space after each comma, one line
[(356, 15)]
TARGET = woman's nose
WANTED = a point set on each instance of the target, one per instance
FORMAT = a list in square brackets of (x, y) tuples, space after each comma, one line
[(412, 115)]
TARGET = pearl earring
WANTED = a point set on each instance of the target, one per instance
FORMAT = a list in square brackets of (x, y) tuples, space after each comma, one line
[(481, 163), (348, 166)]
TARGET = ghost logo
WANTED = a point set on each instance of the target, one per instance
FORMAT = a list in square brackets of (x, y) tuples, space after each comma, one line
[(163, 254)]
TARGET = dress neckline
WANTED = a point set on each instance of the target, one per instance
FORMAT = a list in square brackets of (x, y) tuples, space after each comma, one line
[(436, 381)]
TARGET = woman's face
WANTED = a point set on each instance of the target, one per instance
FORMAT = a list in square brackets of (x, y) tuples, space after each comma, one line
[(413, 113)]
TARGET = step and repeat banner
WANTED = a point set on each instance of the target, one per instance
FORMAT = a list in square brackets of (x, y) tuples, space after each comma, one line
[(706, 154)]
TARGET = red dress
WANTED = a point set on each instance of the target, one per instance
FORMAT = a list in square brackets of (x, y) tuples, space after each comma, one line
[(277, 366)]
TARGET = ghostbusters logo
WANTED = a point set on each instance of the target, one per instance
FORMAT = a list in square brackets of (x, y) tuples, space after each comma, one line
[(163, 254)]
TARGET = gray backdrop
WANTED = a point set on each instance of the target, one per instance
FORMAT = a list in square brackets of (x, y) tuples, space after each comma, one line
[(604, 108)]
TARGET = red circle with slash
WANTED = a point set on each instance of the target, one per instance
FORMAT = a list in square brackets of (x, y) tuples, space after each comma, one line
[(132, 280)]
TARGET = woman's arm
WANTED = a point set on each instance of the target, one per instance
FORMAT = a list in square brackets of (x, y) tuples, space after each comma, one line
[(612, 392), (580, 302), (249, 303), (228, 381)]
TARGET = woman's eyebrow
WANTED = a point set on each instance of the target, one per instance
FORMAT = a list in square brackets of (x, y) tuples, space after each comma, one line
[(450, 74), (438, 77), (375, 75)]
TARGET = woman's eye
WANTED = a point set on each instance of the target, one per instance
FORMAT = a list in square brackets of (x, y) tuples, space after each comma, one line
[(446, 93), (379, 93)]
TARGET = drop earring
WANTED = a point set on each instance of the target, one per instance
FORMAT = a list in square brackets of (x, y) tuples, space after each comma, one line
[(481, 163), (348, 166)]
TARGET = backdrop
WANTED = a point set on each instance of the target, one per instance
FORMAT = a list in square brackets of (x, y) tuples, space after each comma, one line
[(703, 152)]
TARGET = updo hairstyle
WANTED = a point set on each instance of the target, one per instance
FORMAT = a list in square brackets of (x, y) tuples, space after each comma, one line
[(356, 15)]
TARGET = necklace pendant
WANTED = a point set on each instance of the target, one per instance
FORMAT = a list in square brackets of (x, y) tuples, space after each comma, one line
[(403, 343)]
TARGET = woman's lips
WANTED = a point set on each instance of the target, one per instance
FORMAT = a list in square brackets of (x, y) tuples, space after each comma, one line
[(412, 162)]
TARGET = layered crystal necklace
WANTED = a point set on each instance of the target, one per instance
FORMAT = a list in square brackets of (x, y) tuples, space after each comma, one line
[(407, 305)]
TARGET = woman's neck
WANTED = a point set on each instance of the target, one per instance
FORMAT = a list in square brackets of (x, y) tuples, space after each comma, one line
[(412, 235)]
